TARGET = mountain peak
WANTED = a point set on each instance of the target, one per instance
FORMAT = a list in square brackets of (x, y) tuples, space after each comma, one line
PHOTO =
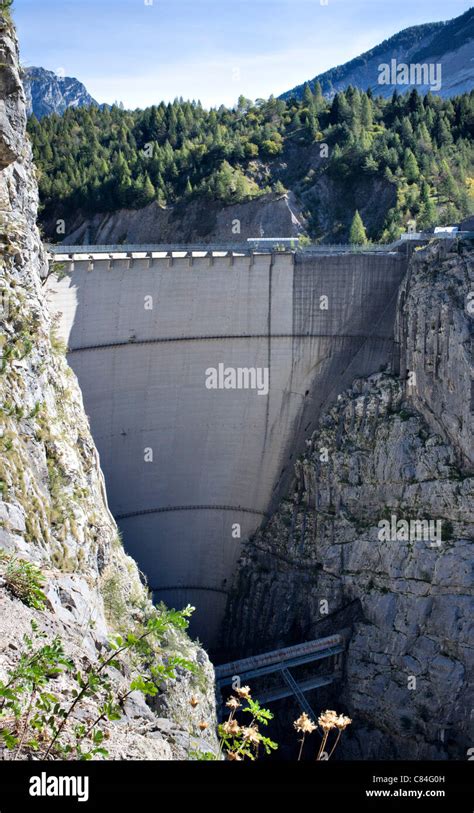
[(47, 92)]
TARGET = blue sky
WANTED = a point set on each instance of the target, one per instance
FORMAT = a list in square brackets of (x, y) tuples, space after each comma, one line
[(143, 51)]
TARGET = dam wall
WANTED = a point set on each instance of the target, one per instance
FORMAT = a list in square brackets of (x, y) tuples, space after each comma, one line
[(192, 471)]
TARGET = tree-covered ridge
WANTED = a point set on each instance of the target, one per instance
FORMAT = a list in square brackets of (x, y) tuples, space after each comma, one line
[(104, 159), (417, 43), (402, 41)]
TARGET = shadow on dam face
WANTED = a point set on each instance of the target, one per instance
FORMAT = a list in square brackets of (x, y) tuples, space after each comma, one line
[(192, 471)]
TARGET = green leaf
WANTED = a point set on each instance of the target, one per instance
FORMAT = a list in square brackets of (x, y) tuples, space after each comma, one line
[(9, 739)]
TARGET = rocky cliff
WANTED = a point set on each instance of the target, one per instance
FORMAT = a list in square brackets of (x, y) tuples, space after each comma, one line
[(53, 506), (47, 92), (341, 551)]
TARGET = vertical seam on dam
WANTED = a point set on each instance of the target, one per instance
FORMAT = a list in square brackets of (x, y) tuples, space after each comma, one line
[(269, 345)]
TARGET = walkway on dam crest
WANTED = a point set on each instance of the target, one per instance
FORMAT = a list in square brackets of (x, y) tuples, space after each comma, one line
[(65, 253)]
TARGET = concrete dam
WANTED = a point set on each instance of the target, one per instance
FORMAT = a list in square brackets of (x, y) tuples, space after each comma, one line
[(202, 373)]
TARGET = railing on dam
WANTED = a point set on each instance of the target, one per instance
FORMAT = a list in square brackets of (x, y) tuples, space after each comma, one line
[(147, 250), (281, 661), (236, 249)]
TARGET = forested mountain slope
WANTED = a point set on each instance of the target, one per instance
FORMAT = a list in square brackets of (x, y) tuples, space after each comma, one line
[(393, 160)]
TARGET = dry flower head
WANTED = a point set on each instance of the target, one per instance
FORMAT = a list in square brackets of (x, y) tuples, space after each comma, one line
[(243, 691), (304, 724)]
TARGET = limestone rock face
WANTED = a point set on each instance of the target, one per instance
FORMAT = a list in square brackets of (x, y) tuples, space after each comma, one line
[(12, 102), (53, 506), (387, 451), (434, 329)]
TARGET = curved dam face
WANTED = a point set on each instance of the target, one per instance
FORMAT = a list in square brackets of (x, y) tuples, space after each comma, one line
[(202, 376)]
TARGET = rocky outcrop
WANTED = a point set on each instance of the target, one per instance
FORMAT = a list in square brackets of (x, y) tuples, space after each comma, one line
[(53, 507), (434, 331), (47, 92), (389, 450), (12, 103)]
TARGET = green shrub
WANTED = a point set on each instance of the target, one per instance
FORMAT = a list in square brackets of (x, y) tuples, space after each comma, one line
[(33, 718), (5, 8), (23, 580)]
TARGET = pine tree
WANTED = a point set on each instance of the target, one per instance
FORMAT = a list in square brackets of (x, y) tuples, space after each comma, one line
[(357, 234), (279, 188), (366, 116), (340, 110), (296, 122), (443, 133), (428, 214), (353, 100), (370, 165), (410, 167), (308, 99), (148, 190), (312, 125), (447, 185), (319, 102), (407, 132)]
